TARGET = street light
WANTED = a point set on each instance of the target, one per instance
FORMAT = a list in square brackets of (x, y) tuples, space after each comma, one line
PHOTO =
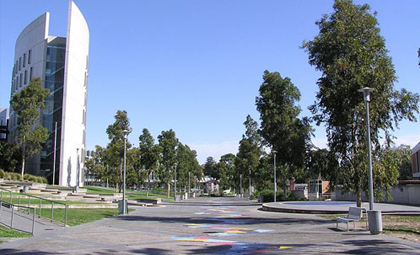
[(125, 132), (275, 174), (366, 95), (374, 217)]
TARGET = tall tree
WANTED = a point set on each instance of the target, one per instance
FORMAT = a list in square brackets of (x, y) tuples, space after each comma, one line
[(323, 163), (225, 168), (350, 53), (209, 167), (27, 105), (187, 165), (114, 153), (10, 157), (148, 154), (280, 126), (167, 145), (250, 150)]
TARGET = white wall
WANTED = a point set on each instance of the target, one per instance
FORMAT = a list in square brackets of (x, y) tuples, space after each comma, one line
[(74, 94)]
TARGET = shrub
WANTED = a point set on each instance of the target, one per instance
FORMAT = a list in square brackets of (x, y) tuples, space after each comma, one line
[(41, 179), (1, 173)]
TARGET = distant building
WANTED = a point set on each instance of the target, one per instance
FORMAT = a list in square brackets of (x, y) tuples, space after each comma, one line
[(62, 65), (4, 117), (415, 157)]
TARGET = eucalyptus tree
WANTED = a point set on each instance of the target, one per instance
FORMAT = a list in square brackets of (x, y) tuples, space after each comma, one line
[(249, 152), (322, 163), (149, 154), (10, 157), (350, 53), (208, 168), (167, 147), (225, 168), (27, 105), (114, 153), (281, 127), (187, 164)]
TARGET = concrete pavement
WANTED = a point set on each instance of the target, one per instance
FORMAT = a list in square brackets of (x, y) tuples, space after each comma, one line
[(209, 225)]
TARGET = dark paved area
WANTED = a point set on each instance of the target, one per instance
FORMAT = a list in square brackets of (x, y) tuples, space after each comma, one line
[(209, 225)]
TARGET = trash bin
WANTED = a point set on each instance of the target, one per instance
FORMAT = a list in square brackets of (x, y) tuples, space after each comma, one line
[(25, 189), (177, 198), (120, 206), (375, 222)]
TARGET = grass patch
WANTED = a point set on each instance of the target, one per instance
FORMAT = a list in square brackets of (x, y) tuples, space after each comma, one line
[(77, 216), (99, 190), (400, 225), (7, 232)]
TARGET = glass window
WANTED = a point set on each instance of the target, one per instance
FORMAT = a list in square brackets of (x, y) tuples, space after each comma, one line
[(26, 77), (16, 67), (29, 57), (30, 74), (20, 80), (20, 63), (24, 60)]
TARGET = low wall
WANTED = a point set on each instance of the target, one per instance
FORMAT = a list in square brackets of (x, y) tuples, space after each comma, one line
[(407, 194)]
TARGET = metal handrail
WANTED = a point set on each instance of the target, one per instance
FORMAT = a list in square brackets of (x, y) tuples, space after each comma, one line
[(12, 206), (39, 205)]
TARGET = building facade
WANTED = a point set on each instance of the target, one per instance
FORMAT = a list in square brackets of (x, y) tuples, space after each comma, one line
[(62, 65), (4, 118), (415, 160)]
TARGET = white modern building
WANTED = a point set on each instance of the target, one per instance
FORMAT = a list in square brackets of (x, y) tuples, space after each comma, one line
[(62, 65)]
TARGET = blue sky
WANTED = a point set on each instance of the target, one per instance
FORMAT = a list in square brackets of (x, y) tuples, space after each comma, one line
[(196, 66)]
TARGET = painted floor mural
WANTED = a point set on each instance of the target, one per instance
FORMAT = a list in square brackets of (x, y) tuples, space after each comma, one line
[(227, 216)]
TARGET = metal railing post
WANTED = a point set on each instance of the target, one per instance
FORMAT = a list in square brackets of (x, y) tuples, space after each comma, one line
[(11, 202), (29, 202), (13, 211), (65, 216), (33, 221), (52, 211), (39, 210)]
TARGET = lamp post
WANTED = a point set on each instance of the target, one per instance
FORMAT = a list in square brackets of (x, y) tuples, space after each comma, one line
[(125, 132), (275, 177), (374, 217)]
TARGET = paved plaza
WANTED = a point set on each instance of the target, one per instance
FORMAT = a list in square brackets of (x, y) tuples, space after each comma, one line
[(212, 226)]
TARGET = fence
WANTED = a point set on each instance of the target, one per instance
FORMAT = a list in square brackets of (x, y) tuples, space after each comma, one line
[(33, 203)]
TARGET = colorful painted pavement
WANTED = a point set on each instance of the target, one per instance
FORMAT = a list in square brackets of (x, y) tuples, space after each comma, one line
[(227, 216)]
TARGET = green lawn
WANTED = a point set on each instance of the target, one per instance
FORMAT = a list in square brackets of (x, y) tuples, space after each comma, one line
[(7, 232), (77, 216)]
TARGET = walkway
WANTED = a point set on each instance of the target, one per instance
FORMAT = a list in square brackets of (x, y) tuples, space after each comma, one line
[(326, 207)]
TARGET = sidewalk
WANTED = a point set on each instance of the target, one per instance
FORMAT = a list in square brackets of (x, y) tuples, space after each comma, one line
[(325, 207)]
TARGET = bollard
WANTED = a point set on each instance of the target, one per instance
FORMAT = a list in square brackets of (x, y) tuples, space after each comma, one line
[(375, 222)]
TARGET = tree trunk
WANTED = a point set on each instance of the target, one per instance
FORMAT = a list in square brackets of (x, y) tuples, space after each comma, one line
[(148, 184), (359, 198), (23, 166), (169, 189), (23, 157)]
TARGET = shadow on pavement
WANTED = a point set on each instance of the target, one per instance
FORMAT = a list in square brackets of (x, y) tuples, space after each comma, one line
[(224, 220)]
